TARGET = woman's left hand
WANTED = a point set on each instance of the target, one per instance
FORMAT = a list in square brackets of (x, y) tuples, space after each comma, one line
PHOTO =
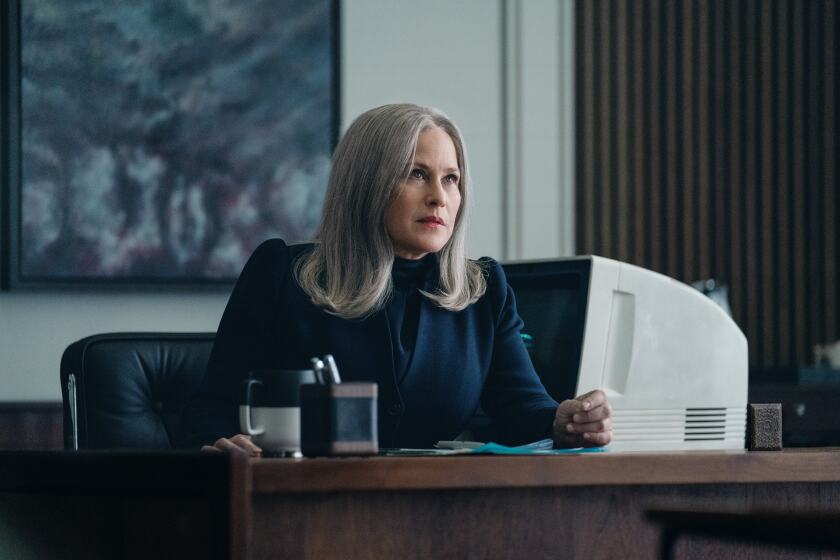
[(584, 421)]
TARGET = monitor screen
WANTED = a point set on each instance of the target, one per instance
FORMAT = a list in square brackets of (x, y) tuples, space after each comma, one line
[(551, 298)]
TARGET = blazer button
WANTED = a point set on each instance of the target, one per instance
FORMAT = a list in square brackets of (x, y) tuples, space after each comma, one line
[(395, 409)]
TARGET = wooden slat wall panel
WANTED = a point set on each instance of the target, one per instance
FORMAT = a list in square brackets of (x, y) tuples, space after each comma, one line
[(811, 163), (797, 225), (638, 92), (831, 208), (732, 191), (653, 110), (670, 137), (604, 177), (621, 140), (702, 114), (686, 169), (707, 133), (585, 125), (782, 141), (768, 179)]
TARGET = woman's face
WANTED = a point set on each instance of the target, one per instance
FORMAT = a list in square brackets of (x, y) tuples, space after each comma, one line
[(420, 221)]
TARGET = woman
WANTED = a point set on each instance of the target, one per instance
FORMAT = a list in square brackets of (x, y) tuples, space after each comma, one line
[(388, 291)]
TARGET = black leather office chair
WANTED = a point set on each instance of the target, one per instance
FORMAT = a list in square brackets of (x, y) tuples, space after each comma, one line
[(127, 390)]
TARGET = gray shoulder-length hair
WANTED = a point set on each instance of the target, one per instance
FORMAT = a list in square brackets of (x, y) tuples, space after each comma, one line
[(348, 272)]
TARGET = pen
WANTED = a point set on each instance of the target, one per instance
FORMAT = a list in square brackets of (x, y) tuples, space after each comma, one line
[(332, 369)]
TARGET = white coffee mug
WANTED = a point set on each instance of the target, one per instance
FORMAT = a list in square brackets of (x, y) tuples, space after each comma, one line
[(270, 409)]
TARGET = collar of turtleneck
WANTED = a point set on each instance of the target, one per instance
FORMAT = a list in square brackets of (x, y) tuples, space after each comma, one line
[(412, 273)]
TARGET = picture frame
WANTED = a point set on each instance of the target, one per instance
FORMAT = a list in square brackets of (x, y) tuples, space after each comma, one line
[(152, 144)]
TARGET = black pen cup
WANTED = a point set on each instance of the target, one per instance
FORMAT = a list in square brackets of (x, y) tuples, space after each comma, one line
[(339, 419)]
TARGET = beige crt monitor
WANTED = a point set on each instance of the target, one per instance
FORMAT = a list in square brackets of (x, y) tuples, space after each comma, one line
[(672, 362)]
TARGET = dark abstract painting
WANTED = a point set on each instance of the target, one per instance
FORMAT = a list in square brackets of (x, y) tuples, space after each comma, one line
[(163, 140)]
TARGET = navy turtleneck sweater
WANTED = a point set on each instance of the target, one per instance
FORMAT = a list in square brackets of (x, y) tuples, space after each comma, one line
[(403, 309)]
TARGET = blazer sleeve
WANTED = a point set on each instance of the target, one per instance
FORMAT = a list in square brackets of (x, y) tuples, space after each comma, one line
[(245, 341), (513, 395)]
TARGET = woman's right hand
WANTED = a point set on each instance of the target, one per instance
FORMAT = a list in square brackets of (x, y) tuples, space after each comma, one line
[(239, 442)]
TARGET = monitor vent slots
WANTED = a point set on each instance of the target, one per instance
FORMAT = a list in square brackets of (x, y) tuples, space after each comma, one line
[(695, 425), (705, 424)]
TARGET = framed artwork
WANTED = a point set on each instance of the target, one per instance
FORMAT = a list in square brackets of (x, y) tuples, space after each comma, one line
[(158, 142)]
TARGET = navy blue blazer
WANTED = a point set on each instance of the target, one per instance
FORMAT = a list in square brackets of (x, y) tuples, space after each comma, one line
[(460, 359)]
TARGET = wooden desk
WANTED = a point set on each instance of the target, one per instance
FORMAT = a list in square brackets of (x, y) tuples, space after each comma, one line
[(582, 506), (103, 505)]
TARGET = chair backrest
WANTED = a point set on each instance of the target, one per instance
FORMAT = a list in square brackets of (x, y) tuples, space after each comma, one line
[(129, 389)]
